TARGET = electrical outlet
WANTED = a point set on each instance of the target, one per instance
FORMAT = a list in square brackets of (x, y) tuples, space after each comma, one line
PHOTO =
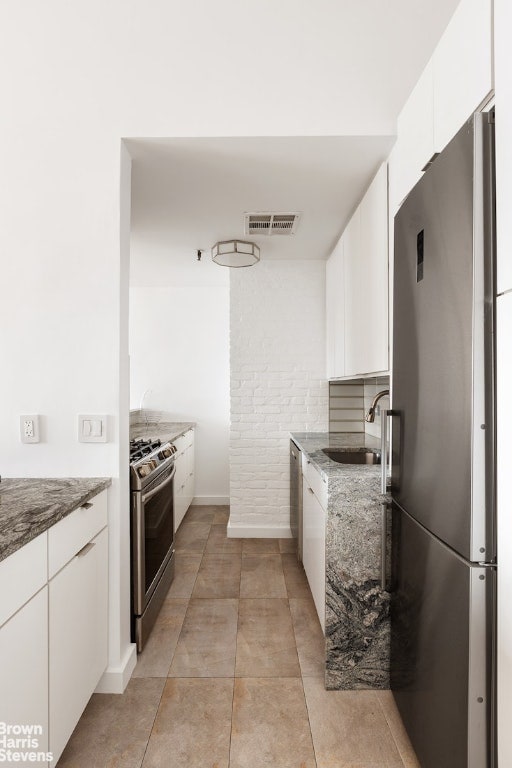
[(29, 429)]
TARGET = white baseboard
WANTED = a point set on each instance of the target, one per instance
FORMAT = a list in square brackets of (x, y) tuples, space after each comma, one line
[(115, 679), (210, 501), (243, 531)]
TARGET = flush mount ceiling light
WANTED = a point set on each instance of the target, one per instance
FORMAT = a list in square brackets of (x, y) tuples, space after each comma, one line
[(235, 253)]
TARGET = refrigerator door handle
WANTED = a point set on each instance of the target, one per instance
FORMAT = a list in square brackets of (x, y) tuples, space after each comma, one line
[(383, 449), (395, 449), (383, 546)]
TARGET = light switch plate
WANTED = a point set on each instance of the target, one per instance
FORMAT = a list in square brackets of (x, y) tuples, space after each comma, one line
[(92, 428)]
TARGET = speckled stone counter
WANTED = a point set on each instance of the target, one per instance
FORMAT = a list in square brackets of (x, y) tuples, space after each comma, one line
[(30, 505), (357, 608), (163, 430)]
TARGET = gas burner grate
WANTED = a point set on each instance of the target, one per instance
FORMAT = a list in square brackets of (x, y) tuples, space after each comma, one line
[(140, 448)]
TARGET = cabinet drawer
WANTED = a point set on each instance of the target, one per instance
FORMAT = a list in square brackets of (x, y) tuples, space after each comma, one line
[(67, 537), (22, 574), (180, 443), (315, 481)]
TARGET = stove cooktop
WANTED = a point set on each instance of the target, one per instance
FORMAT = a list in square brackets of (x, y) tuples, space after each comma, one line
[(140, 448), (149, 458)]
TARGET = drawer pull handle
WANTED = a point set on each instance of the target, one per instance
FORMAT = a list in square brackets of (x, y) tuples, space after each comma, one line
[(310, 490), (85, 549), (87, 505)]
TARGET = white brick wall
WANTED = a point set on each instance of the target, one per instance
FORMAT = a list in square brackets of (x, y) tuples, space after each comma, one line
[(278, 385)]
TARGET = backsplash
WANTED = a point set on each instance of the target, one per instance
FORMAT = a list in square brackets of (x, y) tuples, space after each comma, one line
[(350, 400), (346, 406)]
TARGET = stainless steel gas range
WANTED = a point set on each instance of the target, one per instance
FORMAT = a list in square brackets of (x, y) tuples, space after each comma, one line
[(152, 529)]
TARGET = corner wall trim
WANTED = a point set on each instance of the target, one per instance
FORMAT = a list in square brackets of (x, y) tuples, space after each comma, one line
[(241, 531), (115, 679), (203, 501)]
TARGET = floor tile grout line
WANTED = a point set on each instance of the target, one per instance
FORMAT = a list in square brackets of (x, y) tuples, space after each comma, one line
[(154, 720), (309, 719), (184, 618), (234, 671), (383, 711)]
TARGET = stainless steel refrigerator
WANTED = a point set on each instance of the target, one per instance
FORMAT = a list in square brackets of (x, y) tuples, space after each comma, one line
[(443, 582)]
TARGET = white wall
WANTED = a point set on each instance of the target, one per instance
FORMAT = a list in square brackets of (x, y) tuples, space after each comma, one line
[(179, 350), (278, 385)]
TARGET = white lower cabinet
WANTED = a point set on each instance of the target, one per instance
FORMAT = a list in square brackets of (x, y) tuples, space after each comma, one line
[(78, 637), (313, 546), (24, 673), (54, 628), (190, 469), (184, 477)]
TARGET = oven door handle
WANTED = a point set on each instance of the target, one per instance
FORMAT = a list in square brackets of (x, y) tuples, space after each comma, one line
[(147, 496)]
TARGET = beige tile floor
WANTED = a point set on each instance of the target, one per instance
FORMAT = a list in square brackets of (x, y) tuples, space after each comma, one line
[(232, 675)]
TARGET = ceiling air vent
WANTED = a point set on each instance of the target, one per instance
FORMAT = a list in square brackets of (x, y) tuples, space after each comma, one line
[(271, 223)]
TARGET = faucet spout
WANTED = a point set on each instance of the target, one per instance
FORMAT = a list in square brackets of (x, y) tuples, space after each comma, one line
[(370, 415)]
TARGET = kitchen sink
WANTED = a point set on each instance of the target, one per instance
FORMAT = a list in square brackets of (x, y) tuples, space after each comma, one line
[(352, 457)]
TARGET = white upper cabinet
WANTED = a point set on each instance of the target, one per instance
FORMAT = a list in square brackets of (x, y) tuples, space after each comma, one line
[(455, 82), (463, 73), (415, 145), (366, 282), (335, 312), (373, 327), (353, 292)]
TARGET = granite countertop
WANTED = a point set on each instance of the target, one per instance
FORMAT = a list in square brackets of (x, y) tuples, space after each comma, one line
[(31, 505), (311, 443), (164, 430), (354, 499)]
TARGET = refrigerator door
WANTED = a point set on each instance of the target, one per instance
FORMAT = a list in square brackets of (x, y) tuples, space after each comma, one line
[(441, 649), (442, 347)]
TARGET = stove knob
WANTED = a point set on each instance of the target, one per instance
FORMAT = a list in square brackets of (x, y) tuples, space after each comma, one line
[(144, 470), (166, 453)]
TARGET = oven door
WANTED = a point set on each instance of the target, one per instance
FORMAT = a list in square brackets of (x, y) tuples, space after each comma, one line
[(153, 535)]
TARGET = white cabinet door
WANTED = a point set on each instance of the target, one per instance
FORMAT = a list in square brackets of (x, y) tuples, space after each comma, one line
[(354, 293), (179, 489), (463, 75), (184, 478), (335, 312), (415, 144), (366, 282), (78, 637), (24, 669), (372, 328), (189, 482), (313, 548)]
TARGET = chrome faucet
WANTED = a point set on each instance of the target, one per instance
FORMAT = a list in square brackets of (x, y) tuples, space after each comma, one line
[(370, 415)]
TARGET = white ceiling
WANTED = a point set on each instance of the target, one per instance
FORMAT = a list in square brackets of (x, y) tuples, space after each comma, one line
[(187, 193)]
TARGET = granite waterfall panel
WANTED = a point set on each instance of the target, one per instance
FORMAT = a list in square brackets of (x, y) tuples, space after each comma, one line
[(357, 608)]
